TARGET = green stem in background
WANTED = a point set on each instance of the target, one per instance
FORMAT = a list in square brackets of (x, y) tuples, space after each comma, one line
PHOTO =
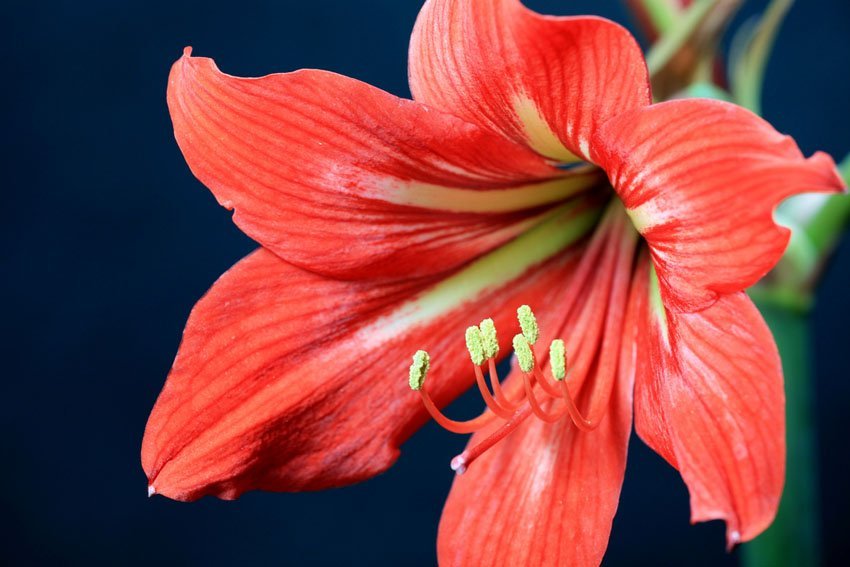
[(785, 298), (792, 539), (817, 223), (705, 89), (785, 302), (672, 41), (751, 49), (662, 14)]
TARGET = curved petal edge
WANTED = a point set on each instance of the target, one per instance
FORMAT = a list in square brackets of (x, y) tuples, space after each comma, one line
[(701, 180)]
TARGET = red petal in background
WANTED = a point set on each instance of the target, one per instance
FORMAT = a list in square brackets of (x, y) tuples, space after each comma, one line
[(546, 81), (347, 180), (701, 179)]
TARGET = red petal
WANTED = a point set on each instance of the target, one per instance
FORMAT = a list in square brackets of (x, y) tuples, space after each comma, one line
[(541, 80), (590, 314), (701, 179), (344, 179), (286, 380), (709, 399), (546, 495)]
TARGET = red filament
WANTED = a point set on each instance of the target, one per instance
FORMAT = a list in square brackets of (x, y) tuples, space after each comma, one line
[(552, 393)]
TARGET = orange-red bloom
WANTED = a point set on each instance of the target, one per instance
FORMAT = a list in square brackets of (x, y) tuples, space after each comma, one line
[(530, 168)]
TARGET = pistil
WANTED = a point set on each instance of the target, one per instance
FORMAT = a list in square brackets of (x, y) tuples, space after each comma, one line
[(460, 463)]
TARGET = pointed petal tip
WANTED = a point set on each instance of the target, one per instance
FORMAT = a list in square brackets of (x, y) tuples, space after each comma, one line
[(835, 182), (151, 490), (187, 51)]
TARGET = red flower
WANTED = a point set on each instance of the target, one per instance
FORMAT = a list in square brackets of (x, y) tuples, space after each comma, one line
[(390, 225)]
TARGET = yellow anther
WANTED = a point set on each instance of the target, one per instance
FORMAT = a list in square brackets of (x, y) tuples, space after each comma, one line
[(558, 359), (490, 341), (475, 345), (523, 353), (419, 369), (528, 324)]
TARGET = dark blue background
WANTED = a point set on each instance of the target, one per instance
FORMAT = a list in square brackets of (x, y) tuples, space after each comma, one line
[(109, 240)]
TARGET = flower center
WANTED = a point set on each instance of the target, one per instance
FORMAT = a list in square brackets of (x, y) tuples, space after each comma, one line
[(546, 396)]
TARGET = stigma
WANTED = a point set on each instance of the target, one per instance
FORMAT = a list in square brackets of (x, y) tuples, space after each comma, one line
[(543, 395)]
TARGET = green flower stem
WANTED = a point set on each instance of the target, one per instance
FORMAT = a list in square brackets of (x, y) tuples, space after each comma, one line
[(705, 89), (817, 223), (827, 225), (792, 539), (663, 14), (672, 41), (751, 49), (785, 302)]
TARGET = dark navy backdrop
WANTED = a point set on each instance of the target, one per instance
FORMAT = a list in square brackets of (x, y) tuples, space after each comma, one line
[(109, 240)]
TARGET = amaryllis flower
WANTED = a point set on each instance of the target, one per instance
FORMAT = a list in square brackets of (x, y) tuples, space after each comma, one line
[(530, 168)]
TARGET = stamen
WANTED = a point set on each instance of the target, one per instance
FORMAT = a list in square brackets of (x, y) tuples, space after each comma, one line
[(475, 345), (558, 359), (418, 372), (489, 339), (498, 392), (575, 414), (527, 363), (524, 356), (544, 382), (482, 344), (461, 427), (528, 324), (547, 384), (535, 404), (491, 349), (492, 403)]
